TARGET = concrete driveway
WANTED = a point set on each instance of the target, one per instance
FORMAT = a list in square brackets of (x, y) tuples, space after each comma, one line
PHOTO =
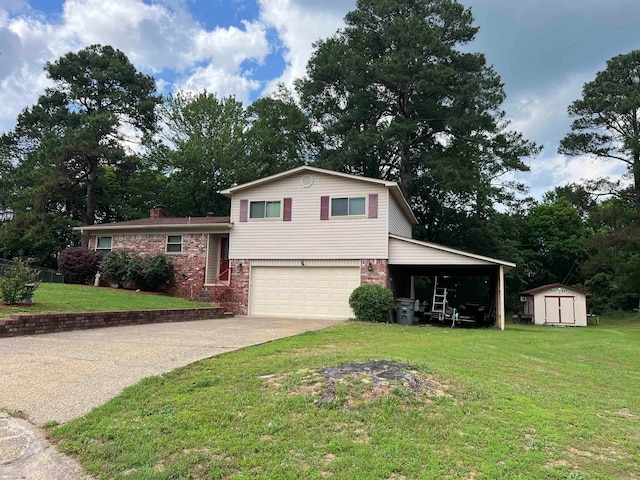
[(62, 376)]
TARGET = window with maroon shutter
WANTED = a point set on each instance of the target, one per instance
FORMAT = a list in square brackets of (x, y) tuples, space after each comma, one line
[(373, 205), (348, 207), (244, 208), (324, 208), (286, 210)]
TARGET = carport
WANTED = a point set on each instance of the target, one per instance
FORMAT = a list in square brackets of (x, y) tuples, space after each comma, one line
[(409, 258)]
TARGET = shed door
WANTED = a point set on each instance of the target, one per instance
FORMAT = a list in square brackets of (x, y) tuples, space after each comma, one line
[(306, 292), (561, 310)]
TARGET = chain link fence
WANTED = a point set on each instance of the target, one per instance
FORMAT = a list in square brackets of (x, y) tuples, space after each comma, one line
[(45, 275)]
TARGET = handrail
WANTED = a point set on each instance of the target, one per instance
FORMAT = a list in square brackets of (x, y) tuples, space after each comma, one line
[(227, 271), (187, 277)]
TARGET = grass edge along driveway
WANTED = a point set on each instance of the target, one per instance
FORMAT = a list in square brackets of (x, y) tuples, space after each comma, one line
[(60, 298), (530, 402)]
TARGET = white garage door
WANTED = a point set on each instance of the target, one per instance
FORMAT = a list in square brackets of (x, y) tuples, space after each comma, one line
[(320, 292)]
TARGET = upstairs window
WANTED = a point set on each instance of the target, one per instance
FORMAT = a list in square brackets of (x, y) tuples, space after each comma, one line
[(342, 207), (103, 245), (264, 209), (174, 243)]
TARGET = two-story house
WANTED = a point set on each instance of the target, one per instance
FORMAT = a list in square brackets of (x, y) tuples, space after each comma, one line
[(297, 244)]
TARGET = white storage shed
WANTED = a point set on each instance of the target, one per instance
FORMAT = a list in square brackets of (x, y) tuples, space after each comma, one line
[(556, 304)]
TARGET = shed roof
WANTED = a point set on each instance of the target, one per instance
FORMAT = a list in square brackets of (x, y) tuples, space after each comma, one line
[(553, 285)]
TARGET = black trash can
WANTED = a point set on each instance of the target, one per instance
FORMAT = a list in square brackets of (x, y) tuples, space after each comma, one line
[(405, 309)]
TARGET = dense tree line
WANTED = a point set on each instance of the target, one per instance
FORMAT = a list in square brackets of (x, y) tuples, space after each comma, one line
[(396, 94)]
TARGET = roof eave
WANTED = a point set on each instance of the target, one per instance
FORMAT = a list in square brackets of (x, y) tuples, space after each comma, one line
[(167, 226), (228, 192), (508, 265)]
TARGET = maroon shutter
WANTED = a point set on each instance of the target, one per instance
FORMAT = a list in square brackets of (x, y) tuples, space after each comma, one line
[(244, 208), (324, 208), (373, 205), (286, 211)]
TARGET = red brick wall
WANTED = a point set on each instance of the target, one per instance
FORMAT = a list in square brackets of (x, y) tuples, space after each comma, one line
[(189, 265), (379, 273), (239, 303), (31, 324)]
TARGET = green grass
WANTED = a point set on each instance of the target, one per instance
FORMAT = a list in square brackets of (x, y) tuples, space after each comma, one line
[(527, 403), (56, 297)]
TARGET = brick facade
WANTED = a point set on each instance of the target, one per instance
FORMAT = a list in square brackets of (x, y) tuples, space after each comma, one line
[(31, 324), (239, 286), (378, 274), (190, 269), (189, 265)]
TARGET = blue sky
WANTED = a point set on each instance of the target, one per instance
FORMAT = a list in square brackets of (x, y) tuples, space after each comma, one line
[(544, 51)]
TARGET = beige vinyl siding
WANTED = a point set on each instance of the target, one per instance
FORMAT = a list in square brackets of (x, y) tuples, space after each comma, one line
[(213, 258), (306, 236), (408, 253), (399, 224)]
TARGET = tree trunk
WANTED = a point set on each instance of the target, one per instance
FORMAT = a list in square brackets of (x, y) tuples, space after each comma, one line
[(406, 181), (636, 183)]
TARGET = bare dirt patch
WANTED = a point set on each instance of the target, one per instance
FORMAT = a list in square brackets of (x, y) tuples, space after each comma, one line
[(353, 383)]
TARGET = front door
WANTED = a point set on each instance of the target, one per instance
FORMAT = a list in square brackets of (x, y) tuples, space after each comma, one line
[(224, 259)]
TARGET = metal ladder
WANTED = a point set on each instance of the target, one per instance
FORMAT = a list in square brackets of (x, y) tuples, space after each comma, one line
[(439, 303)]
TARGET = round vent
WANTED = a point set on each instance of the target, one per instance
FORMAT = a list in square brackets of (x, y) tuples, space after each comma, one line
[(306, 181)]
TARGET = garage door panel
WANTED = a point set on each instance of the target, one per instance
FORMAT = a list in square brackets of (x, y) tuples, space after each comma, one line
[(321, 292)]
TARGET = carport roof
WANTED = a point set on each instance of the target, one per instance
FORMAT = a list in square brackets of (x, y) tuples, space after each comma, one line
[(406, 251)]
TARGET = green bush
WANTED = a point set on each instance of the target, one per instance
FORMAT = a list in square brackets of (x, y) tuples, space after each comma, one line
[(371, 303), (151, 273), (18, 283), (78, 264), (115, 267)]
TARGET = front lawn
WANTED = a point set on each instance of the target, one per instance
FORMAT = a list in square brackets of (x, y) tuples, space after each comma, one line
[(57, 297), (527, 403)]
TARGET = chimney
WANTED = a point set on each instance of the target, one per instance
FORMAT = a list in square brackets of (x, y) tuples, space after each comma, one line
[(159, 211)]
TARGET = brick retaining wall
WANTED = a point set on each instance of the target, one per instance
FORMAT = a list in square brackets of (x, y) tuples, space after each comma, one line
[(32, 324)]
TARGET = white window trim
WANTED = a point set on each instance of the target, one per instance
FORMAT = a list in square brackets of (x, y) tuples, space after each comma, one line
[(265, 218), (167, 243), (363, 215)]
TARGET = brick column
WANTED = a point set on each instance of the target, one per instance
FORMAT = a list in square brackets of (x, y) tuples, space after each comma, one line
[(374, 271), (240, 275)]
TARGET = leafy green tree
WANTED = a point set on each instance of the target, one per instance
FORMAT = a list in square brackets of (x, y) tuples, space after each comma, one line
[(554, 243), (38, 236), (280, 135), (606, 119), (612, 271), (98, 105), (395, 97), (203, 149)]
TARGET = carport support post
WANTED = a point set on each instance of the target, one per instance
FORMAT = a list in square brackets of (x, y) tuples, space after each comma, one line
[(500, 299)]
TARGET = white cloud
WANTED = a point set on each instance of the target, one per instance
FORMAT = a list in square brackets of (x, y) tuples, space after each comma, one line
[(229, 47), (553, 170), (299, 24), (542, 115), (219, 81), (157, 37), (153, 36)]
